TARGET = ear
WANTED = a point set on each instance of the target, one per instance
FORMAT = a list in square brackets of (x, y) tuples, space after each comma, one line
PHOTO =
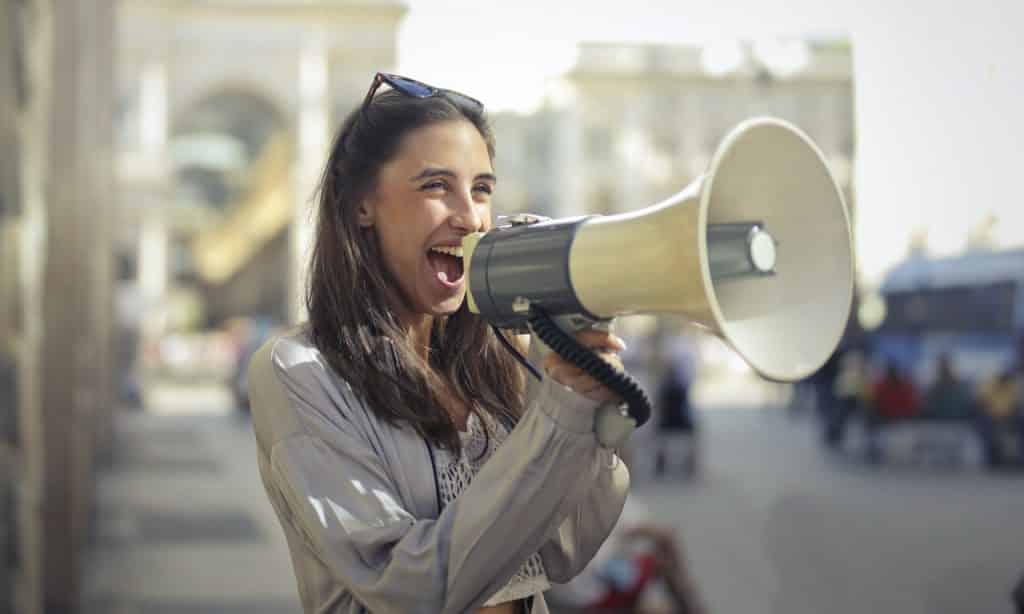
[(366, 213)]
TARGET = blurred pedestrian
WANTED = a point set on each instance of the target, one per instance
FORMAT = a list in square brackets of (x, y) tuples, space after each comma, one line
[(130, 305), (670, 566), (850, 393), (894, 398), (638, 558), (676, 443), (948, 398), (824, 382), (1001, 420)]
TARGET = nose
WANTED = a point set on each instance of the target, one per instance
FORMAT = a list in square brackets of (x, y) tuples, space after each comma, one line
[(465, 214)]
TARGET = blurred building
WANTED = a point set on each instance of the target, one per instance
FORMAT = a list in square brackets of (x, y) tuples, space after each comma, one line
[(158, 157), (56, 300), (528, 145), (224, 119), (632, 124), (968, 307), (651, 116)]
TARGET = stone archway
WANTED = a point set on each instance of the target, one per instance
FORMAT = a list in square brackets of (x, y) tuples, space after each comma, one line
[(217, 138), (232, 153)]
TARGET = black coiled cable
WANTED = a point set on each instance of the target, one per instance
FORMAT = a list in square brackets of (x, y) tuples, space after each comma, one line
[(570, 349)]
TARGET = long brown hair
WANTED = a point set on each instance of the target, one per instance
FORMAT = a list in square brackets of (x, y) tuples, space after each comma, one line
[(351, 297)]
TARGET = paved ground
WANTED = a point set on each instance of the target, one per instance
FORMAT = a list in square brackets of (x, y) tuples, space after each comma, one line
[(183, 524), (773, 525)]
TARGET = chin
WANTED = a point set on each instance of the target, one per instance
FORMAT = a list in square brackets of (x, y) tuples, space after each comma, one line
[(447, 306)]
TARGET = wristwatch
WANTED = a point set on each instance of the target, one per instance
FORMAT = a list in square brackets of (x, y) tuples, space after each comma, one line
[(613, 425)]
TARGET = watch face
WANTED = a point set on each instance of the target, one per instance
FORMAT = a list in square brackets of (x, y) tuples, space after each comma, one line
[(612, 425)]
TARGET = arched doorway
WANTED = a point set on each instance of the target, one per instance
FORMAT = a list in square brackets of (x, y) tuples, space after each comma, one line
[(232, 153)]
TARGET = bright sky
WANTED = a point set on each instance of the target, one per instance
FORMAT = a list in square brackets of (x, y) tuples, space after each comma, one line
[(940, 89)]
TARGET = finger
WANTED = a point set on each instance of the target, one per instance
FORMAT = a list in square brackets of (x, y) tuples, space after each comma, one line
[(587, 386), (583, 384), (593, 338), (567, 374), (553, 360), (572, 377), (614, 361), (560, 373)]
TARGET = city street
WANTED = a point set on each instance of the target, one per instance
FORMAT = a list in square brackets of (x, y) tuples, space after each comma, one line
[(773, 524), (776, 525)]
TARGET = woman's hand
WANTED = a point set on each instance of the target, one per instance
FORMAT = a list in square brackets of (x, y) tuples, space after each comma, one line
[(564, 372)]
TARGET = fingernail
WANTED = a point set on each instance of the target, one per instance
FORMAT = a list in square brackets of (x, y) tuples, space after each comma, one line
[(620, 342)]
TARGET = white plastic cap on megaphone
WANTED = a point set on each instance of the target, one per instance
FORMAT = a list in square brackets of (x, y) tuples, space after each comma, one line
[(655, 260)]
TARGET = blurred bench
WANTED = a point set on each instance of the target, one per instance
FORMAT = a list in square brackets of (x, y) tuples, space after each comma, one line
[(928, 440), (924, 438)]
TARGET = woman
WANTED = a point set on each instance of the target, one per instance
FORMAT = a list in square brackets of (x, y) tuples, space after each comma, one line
[(410, 468)]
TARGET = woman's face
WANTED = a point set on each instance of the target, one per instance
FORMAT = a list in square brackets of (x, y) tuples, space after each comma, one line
[(436, 190)]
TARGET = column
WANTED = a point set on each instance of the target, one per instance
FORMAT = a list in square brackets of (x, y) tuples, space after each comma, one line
[(34, 47), (75, 380), (311, 154), (151, 184)]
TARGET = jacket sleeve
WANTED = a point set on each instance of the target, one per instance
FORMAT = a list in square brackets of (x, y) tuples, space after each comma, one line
[(575, 542), (589, 523), (340, 496)]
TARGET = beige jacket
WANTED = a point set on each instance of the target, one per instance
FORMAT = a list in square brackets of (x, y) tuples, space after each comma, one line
[(357, 499)]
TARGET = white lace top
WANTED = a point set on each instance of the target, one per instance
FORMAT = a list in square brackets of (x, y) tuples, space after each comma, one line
[(455, 474)]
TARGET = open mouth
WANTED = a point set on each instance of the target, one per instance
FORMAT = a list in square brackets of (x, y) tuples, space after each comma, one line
[(447, 263)]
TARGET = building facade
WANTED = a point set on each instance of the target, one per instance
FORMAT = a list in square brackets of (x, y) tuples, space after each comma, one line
[(56, 269), (630, 125), (633, 124), (650, 117), (224, 121), (155, 152)]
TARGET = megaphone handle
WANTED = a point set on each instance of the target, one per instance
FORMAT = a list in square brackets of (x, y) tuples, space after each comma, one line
[(639, 406)]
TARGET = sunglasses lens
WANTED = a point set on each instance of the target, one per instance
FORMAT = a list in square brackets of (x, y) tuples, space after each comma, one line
[(416, 89), (412, 88)]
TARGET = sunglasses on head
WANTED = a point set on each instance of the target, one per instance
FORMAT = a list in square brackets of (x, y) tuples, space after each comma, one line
[(418, 89)]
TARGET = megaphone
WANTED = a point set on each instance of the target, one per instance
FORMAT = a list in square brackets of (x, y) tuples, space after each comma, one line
[(756, 251)]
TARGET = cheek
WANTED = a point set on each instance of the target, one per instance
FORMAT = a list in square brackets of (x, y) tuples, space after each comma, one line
[(399, 250), (393, 246), (487, 217), (403, 237)]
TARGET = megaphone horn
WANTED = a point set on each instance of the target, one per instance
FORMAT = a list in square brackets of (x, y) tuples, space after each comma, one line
[(757, 251)]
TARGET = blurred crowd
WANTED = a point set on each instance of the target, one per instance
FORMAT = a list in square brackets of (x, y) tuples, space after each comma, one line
[(881, 393)]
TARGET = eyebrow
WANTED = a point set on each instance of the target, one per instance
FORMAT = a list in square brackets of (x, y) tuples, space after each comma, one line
[(441, 172)]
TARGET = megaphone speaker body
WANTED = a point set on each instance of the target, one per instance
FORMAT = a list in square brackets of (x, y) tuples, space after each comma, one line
[(766, 174)]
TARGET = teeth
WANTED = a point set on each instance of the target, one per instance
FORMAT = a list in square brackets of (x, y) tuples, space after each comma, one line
[(451, 251)]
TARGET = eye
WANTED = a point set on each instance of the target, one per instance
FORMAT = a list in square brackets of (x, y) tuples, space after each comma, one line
[(485, 188), (434, 185)]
